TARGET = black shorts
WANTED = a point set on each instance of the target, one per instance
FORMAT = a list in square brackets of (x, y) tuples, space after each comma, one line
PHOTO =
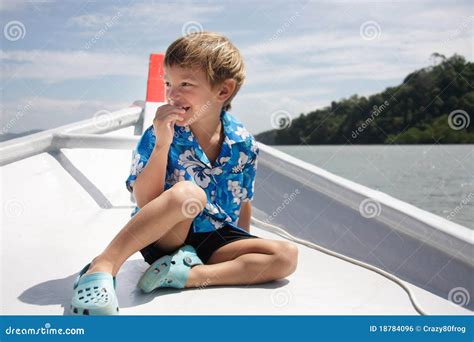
[(204, 243)]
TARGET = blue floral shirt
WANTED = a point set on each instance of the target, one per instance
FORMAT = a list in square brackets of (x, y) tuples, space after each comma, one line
[(227, 183)]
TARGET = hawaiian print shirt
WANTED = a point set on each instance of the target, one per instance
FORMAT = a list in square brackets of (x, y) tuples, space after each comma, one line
[(227, 183)]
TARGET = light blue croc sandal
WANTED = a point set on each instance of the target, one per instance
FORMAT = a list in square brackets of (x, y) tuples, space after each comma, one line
[(94, 294), (170, 270)]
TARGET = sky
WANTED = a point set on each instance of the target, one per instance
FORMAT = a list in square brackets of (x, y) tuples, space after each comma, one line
[(64, 61)]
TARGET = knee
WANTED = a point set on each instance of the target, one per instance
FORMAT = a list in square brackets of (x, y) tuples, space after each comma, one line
[(286, 258), (189, 197)]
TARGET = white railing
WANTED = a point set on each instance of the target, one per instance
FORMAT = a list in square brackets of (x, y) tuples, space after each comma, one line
[(399, 215), (81, 134)]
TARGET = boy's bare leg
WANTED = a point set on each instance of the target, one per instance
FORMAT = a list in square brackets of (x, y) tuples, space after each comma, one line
[(172, 209), (244, 262)]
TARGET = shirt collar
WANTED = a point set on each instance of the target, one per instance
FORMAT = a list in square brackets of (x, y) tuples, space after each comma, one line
[(184, 136)]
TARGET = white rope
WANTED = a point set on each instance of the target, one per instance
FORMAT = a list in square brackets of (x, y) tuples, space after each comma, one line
[(279, 231)]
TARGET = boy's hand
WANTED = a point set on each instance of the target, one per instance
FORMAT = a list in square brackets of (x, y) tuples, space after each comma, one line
[(163, 124)]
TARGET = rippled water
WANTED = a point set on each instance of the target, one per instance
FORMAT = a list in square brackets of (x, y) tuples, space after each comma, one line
[(436, 178)]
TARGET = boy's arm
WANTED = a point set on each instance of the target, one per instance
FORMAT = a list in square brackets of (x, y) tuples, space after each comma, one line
[(150, 183), (245, 214)]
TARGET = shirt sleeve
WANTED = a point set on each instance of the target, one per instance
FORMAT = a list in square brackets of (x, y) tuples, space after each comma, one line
[(250, 172), (140, 156)]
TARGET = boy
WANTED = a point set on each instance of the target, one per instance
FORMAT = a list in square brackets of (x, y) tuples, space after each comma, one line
[(193, 178)]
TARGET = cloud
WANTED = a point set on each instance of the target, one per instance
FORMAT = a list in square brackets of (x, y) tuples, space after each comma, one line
[(10, 5), (256, 113), (147, 16), (299, 56), (255, 108), (44, 113), (57, 66), (295, 93), (337, 56), (18, 5)]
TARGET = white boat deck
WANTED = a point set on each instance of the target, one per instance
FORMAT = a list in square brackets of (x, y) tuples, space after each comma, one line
[(52, 226)]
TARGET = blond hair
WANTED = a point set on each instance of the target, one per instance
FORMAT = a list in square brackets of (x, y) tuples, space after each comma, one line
[(211, 52)]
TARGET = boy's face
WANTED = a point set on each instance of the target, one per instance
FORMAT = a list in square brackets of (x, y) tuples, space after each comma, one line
[(189, 88)]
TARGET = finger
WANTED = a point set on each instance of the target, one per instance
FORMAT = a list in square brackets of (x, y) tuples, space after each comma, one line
[(168, 118), (172, 109), (173, 117), (163, 116)]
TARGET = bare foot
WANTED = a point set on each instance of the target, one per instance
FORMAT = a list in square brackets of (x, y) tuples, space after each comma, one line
[(100, 265)]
